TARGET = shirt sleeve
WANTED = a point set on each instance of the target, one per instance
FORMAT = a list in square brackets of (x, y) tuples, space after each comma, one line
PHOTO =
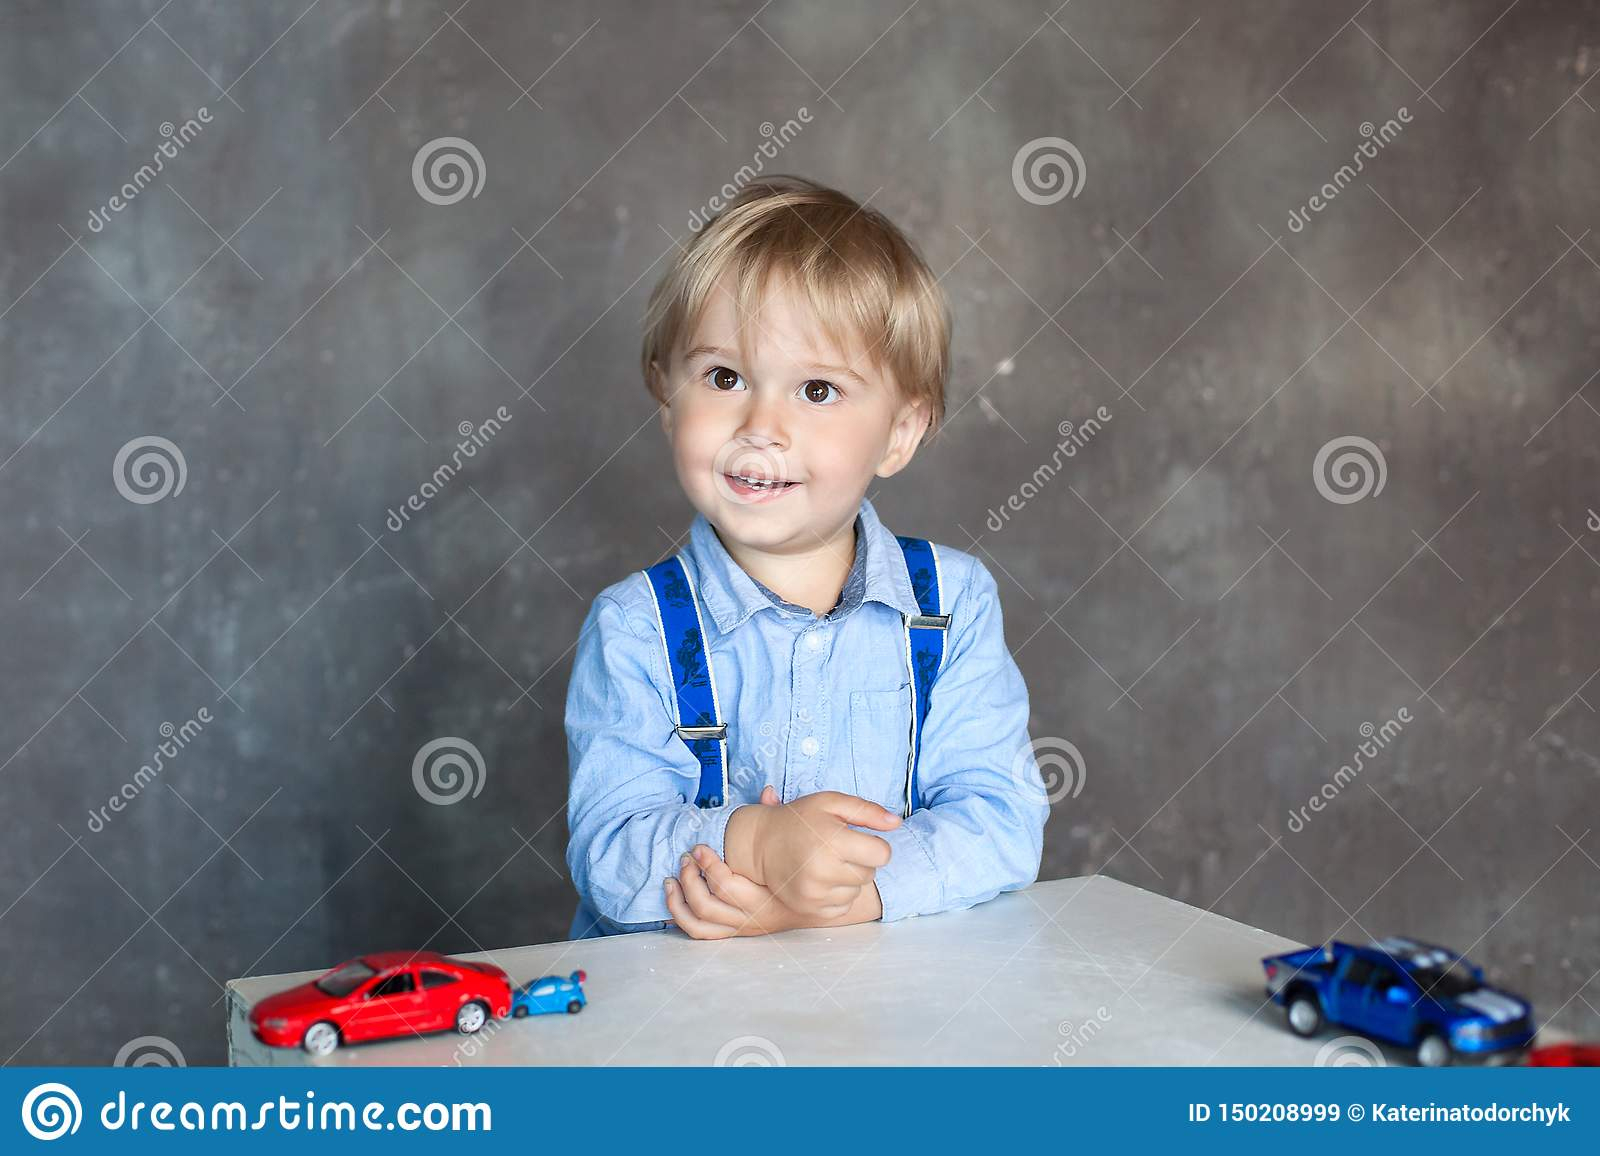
[(980, 830), (631, 781)]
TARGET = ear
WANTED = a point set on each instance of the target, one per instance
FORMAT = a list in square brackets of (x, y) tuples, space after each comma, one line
[(657, 383), (904, 438)]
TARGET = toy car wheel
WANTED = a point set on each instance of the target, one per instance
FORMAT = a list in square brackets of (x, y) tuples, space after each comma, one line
[(1304, 1014), (1434, 1051), (574, 1007), (470, 1017), (520, 1011), (320, 1039)]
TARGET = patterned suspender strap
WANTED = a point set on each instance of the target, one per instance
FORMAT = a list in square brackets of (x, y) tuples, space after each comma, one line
[(925, 635), (700, 723)]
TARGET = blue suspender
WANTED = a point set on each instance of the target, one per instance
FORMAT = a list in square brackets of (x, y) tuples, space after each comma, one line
[(924, 647), (700, 723)]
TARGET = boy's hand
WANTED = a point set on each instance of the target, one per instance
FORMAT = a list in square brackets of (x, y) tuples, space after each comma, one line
[(710, 900), (805, 853)]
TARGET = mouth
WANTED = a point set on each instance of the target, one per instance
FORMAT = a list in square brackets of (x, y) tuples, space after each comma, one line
[(756, 487)]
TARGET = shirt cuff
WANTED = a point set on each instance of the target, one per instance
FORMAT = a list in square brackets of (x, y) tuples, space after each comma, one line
[(910, 883), (709, 825)]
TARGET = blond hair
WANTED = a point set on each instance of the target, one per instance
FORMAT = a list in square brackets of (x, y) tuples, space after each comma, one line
[(860, 274)]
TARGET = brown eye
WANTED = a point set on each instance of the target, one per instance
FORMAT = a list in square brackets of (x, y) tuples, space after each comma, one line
[(820, 392), (724, 379)]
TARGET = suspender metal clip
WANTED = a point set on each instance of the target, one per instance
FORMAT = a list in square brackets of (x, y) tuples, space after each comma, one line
[(690, 733)]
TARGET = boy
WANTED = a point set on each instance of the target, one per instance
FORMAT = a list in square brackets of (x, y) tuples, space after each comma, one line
[(836, 732)]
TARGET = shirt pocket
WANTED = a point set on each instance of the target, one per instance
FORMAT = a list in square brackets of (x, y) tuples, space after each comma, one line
[(880, 745)]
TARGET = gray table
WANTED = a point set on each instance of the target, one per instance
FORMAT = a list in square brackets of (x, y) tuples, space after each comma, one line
[(1075, 971)]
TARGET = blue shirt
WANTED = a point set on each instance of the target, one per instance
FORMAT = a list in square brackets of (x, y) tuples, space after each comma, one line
[(812, 704)]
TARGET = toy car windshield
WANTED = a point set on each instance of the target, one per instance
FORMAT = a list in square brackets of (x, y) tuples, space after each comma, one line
[(344, 980), (1447, 982)]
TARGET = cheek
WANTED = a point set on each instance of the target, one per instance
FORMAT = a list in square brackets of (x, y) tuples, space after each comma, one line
[(851, 450), (698, 435)]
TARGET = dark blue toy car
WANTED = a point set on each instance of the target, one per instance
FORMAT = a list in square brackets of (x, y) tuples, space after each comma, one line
[(1409, 993), (550, 993)]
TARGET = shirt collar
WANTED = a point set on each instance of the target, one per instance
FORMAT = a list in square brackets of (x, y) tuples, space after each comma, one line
[(731, 596)]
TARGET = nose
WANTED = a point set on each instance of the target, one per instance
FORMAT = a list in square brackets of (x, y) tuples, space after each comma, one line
[(763, 424)]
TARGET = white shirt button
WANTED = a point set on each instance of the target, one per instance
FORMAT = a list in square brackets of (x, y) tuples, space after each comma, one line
[(813, 641), (809, 746)]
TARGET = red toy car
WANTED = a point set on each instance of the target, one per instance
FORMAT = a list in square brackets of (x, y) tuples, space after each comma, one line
[(1565, 1056), (390, 993)]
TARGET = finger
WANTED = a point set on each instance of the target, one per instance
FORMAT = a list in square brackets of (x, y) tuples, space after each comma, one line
[(828, 867), (833, 870), (861, 849), (859, 812), (727, 884), (769, 797), (688, 922), (702, 903)]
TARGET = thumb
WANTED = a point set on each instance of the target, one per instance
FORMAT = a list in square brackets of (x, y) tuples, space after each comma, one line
[(859, 812), (769, 797)]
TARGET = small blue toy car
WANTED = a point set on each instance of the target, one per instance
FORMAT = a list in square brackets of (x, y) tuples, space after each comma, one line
[(1409, 993), (550, 993)]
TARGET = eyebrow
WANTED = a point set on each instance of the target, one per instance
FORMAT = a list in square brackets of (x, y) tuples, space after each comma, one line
[(717, 351)]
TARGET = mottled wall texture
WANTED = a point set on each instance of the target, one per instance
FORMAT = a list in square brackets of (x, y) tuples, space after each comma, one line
[(1273, 412)]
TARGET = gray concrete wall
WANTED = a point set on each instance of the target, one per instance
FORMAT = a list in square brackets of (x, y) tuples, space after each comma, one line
[(1206, 629)]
